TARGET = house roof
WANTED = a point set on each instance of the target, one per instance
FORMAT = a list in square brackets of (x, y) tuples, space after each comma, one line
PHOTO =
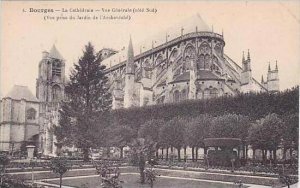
[(21, 92)]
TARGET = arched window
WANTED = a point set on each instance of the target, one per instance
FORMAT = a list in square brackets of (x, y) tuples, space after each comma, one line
[(30, 114), (204, 48), (200, 62), (183, 95), (176, 96), (213, 93), (199, 94), (206, 94), (56, 93), (207, 61)]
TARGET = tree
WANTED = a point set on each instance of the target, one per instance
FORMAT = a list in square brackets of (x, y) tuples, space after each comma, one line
[(121, 136), (266, 134), (150, 130), (141, 151), (290, 133), (175, 128), (4, 161), (231, 126), (196, 130), (60, 166), (83, 114)]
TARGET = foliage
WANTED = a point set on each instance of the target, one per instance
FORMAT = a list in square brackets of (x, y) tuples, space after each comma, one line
[(141, 151), (266, 134), (230, 126), (222, 142), (150, 129), (151, 175), (4, 161), (291, 131), (60, 165), (197, 129), (83, 114), (109, 175), (120, 136), (252, 105)]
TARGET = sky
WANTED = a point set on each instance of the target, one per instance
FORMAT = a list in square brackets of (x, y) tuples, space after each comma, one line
[(269, 29)]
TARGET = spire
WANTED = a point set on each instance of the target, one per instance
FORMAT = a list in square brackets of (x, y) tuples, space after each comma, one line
[(248, 56), (262, 79), (276, 67), (269, 69), (243, 60), (55, 54), (130, 58)]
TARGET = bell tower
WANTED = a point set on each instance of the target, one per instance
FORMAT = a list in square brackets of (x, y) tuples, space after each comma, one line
[(50, 92), (51, 78)]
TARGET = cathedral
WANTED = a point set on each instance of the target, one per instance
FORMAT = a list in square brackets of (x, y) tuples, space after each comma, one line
[(191, 65)]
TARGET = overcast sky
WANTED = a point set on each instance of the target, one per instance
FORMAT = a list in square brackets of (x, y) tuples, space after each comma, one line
[(270, 29)]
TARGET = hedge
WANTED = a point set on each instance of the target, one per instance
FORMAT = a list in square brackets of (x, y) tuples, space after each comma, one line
[(253, 105)]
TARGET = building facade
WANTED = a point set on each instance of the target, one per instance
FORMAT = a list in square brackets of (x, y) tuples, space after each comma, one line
[(19, 119), (191, 65)]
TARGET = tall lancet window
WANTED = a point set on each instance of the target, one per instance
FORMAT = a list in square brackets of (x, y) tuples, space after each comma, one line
[(56, 69)]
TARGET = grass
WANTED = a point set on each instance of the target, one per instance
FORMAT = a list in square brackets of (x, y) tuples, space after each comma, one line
[(131, 181)]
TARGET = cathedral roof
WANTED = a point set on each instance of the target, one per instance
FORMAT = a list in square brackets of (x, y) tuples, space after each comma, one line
[(188, 25), (54, 53), (21, 92), (201, 75), (207, 75)]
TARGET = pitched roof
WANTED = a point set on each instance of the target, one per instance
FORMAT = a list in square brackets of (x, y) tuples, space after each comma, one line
[(201, 75), (54, 53), (21, 92), (207, 75)]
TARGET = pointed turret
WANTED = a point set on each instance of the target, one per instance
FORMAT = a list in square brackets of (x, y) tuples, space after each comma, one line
[(243, 60), (262, 79), (269, 68), (130, 59), (248, 56), (276, 67)]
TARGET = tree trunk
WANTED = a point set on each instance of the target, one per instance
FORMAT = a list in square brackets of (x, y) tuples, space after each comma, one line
[(178, 154), (121, 152), (253, 157), (162, 153), (86, 154), (246, 152), (185, 156), (156, 153), (193, 154), (197, 153), (167, 156), (274, 156), (142, 169), (108, 152), (60, 180)]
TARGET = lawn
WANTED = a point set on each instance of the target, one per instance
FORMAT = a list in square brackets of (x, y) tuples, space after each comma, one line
[(131, 181)]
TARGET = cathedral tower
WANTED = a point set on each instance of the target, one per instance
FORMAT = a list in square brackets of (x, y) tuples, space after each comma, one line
[(246, 75), (129, 77), (51, 78), (273, 79), (50, 92)]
